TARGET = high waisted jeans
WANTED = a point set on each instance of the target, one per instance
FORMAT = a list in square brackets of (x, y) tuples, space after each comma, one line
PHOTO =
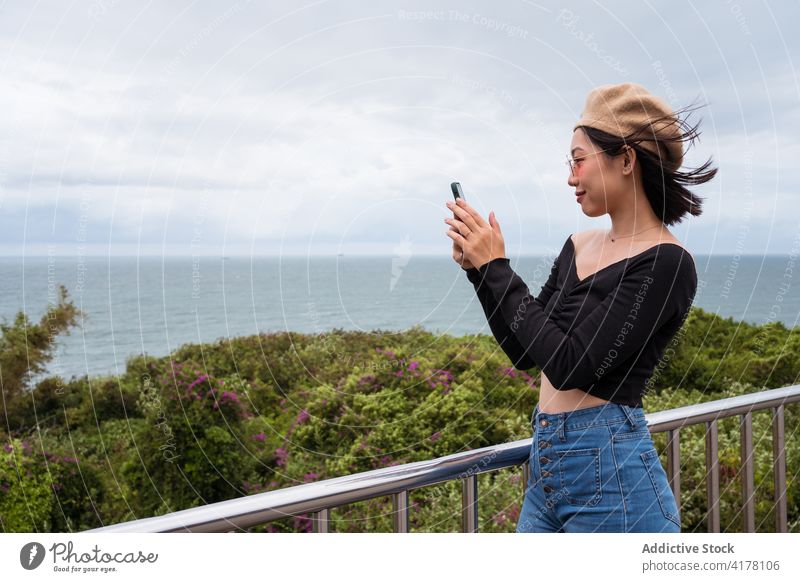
[(596, 470)]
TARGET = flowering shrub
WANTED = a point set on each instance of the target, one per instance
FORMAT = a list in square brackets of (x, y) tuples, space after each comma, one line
[(249, 415), (44, 491)]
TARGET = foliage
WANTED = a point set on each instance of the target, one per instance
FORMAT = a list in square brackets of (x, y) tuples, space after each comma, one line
[(252, 414), (26, 348)]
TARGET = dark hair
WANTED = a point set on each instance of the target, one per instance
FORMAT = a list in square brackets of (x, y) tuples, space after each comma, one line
[(664, 187)]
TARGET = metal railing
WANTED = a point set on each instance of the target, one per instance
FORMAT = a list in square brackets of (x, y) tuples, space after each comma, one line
[(320, 497)]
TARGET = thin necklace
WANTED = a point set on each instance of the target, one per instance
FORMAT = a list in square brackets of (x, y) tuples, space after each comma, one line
[(627, 235)]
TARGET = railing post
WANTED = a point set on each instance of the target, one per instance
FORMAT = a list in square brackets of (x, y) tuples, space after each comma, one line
[(779, 469), (712, 476), (674, 463), (400, 512), (747, 473), (469, 504), (320, 521)]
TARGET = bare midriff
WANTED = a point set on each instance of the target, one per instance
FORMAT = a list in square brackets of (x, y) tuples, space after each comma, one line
[(552, 400)]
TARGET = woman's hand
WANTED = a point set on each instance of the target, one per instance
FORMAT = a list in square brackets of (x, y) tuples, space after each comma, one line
[(458, 255), (480, 241)]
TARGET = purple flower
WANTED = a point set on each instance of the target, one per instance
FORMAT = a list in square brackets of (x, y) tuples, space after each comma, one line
[(308, 477), (368, 379), (413, 365), (230, 396), (260, 436), (280, 456), (510, 372), (385, 460), (8, 448), (436, 436), (302, 522), (445, 375), (302, 417), (199, 380)]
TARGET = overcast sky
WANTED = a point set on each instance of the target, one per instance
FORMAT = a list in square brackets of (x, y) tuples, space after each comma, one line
[(325, 127)]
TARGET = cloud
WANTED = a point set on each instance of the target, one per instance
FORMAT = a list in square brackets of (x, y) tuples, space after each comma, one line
[(340, 125)]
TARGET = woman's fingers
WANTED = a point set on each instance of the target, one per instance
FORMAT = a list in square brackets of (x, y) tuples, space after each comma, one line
[(463, 215), (457, 238), (458, 226), (471, 211)]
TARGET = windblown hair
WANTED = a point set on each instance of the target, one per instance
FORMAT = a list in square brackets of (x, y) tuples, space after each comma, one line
[(665, 186)]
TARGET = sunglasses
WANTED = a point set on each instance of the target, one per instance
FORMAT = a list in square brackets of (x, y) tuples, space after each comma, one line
[(572, 163)]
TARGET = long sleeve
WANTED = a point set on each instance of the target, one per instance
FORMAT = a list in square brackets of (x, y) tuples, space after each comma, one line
[(501, 331), (653, 290)]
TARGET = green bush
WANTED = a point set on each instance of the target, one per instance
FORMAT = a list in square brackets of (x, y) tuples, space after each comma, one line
[(253, 414), (25, 491)]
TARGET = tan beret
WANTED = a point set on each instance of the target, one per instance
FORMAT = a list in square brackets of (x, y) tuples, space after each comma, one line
[(622, 109)]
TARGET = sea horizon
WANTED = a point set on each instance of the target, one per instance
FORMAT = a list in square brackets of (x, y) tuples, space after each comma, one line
[(153, 305)]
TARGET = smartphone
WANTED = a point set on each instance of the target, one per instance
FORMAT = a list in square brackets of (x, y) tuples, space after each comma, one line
[(457, 191)]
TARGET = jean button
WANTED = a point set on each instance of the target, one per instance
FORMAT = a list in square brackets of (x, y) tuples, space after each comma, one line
[(544, 445), (544, 460), (548, 489), (546, 473), (543, 422)]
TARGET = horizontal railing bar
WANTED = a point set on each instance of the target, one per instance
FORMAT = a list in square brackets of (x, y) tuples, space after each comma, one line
[(244, 512), (723, 408)]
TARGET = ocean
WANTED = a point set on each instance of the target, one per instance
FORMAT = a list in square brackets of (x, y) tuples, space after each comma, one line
[(153, 305)]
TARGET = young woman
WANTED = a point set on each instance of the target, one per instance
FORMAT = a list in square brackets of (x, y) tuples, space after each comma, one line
[(613, 301)]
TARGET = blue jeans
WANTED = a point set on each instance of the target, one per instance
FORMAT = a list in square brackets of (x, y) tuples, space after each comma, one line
[(596, 470)]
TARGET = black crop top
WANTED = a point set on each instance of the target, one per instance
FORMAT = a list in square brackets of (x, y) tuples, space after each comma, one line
[(603, 334)]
